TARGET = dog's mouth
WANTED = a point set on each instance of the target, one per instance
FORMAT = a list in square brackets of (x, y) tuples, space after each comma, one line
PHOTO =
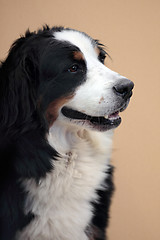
[(100, 123)]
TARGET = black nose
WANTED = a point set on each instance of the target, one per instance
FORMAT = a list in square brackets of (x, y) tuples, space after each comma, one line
[(124, 88)]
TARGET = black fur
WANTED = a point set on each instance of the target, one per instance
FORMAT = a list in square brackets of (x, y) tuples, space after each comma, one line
[(24, 150), (101, 208)]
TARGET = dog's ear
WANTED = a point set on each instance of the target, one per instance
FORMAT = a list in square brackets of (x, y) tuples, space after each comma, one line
[(18, 80)]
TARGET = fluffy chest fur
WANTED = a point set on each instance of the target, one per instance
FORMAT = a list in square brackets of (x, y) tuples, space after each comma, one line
[(61, 202)]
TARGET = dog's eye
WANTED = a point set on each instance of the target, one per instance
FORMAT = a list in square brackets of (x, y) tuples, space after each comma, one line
[(102, 58), (74, 68)]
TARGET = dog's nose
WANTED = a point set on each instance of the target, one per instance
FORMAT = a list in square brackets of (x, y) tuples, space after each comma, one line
[(124, 88)]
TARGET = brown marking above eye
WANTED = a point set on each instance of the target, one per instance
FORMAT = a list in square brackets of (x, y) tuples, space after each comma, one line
[(53, 108), (78, 55)]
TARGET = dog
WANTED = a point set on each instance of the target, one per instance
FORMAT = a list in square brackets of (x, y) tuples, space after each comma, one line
[(59, 105)]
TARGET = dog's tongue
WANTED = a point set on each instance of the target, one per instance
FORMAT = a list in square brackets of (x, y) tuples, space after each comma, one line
[(114, 115)]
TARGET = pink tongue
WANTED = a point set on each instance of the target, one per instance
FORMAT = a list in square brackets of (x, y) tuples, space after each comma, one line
[(113, 115)]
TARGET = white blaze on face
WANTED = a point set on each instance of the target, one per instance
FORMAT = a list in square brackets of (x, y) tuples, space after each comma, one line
[(95, 97)]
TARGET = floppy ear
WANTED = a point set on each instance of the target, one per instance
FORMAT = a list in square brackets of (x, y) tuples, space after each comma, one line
[(18, 79), (23, 144)]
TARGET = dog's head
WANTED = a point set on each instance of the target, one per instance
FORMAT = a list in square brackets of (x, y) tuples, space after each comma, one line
[(60, 74)]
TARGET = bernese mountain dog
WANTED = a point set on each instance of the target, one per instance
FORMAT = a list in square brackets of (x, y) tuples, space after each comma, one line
[(59, 105)]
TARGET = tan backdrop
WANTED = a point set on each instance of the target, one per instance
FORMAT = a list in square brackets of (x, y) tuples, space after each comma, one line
[(131, 30)]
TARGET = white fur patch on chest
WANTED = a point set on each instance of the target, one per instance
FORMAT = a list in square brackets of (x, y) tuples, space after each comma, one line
[(61, 201)]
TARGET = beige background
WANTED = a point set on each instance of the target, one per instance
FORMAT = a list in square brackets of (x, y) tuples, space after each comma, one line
[(131, 31)]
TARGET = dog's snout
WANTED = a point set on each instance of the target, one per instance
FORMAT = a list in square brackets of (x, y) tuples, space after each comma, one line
[(124, 88)]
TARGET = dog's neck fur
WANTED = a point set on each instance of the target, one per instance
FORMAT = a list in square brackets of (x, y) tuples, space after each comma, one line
[(65, 138), (63, 210)]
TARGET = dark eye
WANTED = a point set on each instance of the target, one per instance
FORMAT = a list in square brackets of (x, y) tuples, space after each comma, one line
[(101, 58), (74, 68)]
